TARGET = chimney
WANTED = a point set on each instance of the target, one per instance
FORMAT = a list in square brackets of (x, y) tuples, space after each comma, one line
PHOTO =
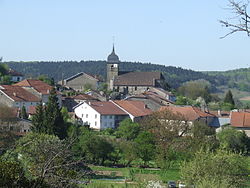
[(14, 94), (48, 91)]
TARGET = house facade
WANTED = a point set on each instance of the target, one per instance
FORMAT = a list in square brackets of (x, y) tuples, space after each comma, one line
[(17, 97), (135, 109), (80, 81), (192, 114), (40, 89), (15, 76), (100, 115)]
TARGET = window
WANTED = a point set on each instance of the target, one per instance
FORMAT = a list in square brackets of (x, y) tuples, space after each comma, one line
[(95, 116), (110, 117), (87, 115), (105, 124), (95, 123), (82, 115), (135, 88), (111, 124)]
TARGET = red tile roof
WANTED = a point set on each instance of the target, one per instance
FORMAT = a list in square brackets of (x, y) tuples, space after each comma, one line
[(84, 97), (19, 94), (107, 108), (189, 112), (14, 73), (135, 108), (32, 110), (38, 85), (240, 119)]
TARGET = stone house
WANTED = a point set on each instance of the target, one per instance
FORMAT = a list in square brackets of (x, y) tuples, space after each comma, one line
[(80, 81)]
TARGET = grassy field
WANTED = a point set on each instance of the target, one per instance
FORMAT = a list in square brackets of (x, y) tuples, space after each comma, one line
[(129, 177)]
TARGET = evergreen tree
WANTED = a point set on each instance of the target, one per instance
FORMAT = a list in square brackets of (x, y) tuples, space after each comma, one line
[(229, 98), (23, 114), (38, 120), (53, 120)]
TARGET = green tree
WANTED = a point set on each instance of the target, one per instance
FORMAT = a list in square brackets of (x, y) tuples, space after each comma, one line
[(129, 151), (128, 130), (12, 175), (145, 146), (92, 147), (229, 98), (38, 125), (47, 160), (23, 114), (220, 166), (3, 69), (46, 79), (234, 140), (53, 119)]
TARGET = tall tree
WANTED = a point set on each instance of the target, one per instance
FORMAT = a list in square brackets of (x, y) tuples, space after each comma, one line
[(23, 114), (54, 122), (38, 120), (229, 98)]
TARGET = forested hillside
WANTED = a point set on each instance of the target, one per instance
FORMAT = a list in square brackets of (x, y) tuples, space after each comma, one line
[(238, 78), (175, 76)]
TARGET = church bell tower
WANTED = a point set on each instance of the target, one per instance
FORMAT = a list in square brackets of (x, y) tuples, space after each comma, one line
[(112, 68)]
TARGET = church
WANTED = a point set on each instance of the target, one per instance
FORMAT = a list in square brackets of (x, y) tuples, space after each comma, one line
[(130, 82)]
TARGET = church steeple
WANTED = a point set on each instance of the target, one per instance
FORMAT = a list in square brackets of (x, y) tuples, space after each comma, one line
[(112, 68), (113, 58)]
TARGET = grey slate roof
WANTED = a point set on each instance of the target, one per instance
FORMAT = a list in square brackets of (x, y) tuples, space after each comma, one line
[(137, 79)]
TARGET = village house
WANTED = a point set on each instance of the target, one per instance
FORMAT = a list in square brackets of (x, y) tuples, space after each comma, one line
[(108, 114), (17, 97), (151, 99), (192, 114), (40, 89), (15, 76), (71, 101), (241, 121), (100, 115), (11, 122), (81, 81), (135, 109)]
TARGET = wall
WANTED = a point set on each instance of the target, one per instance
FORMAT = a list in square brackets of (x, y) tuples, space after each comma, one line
[(79, 82), (88, 116)]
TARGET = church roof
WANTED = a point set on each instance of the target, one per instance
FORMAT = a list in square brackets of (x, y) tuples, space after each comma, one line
[(113, 57), (137, 79)]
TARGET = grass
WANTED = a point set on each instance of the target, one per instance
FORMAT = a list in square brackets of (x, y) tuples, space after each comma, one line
[(107, 177)]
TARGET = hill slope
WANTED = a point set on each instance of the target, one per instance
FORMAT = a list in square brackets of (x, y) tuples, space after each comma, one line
[(175, 76)]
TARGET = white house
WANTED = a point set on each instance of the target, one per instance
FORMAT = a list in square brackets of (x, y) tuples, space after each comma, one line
[(100, 115)]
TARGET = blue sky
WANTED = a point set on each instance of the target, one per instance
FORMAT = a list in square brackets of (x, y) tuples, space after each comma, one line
[(177, 33)]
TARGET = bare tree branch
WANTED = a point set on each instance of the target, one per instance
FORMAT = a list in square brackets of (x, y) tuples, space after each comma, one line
[(240, 22)]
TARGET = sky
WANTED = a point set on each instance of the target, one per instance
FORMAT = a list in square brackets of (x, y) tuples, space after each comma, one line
[(173, 33)]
